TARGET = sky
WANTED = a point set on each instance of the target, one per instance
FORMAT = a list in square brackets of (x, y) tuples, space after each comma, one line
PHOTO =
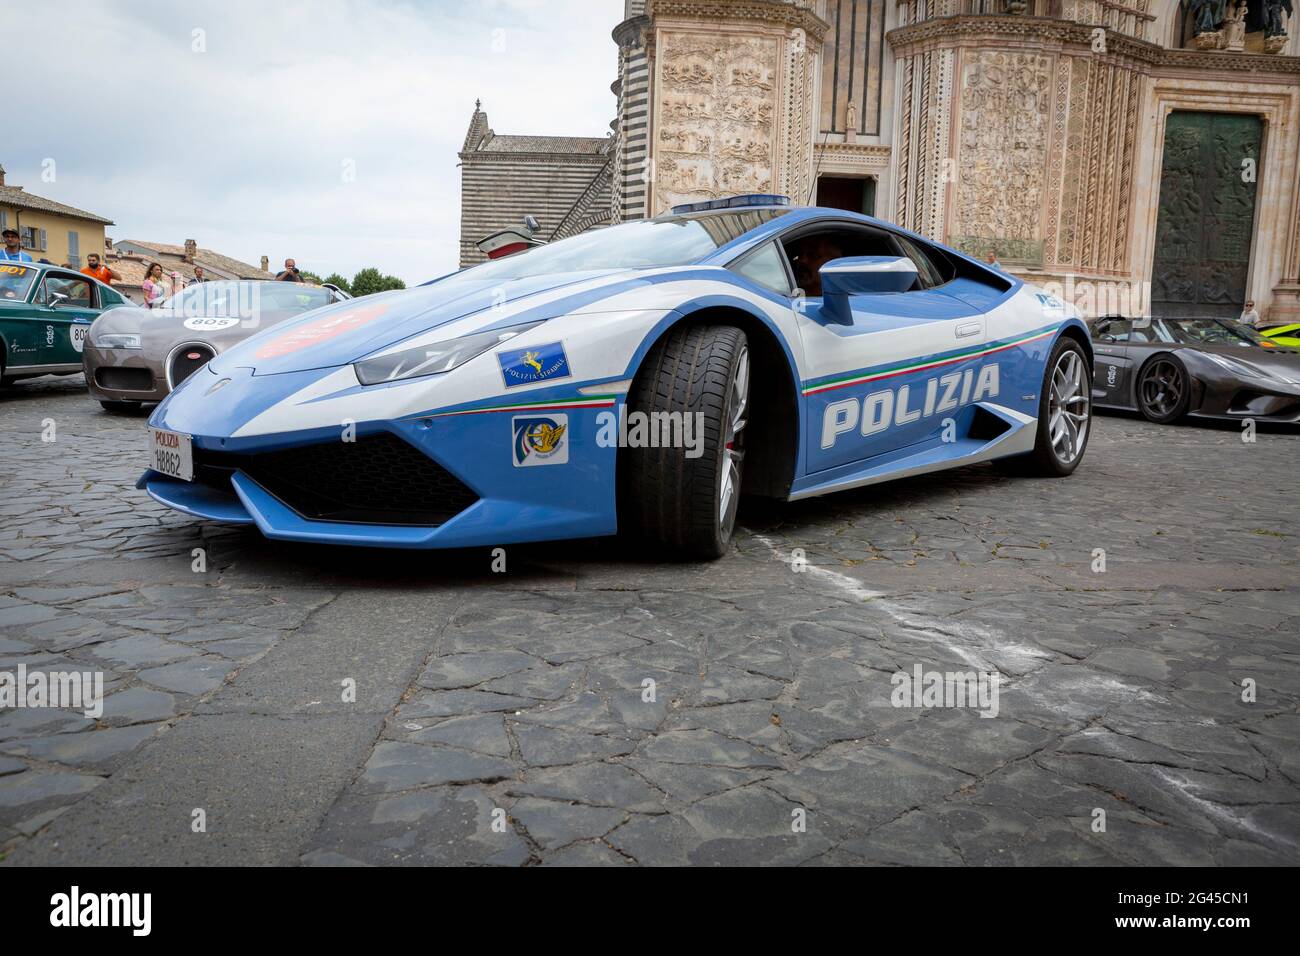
[(326, 131)]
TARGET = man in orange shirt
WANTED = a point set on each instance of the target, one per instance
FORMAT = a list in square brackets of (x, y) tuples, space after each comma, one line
[(97, 271)]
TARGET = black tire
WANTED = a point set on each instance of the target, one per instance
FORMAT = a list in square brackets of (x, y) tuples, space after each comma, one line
[(666, 497), (120, 408), (1164, 389), (1048, 459)]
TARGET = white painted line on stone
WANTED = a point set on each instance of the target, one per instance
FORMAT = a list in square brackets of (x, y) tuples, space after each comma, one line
[(1218, 811), (851, 586), (854, 588)]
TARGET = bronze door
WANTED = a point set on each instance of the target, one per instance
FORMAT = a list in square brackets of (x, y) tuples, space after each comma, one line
[(1206, 215)]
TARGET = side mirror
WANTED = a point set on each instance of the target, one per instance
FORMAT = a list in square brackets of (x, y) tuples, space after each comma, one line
[(862, 275), (56, 299)]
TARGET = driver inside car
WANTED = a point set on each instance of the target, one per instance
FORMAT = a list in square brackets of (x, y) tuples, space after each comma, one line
[(810, 255)]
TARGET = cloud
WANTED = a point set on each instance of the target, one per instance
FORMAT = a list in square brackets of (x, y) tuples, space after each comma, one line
[(234, 123)]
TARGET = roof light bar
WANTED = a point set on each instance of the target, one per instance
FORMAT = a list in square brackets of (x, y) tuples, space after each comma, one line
[(733, 202)]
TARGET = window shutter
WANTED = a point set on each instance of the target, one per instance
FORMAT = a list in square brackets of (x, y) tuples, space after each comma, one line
[(4, 218), (43, 241), (74, 245)]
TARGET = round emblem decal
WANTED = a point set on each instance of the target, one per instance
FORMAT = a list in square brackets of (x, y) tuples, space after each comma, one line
[(203, 324)]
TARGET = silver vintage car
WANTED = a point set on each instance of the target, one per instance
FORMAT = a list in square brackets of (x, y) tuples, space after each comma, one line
[(135, 355)]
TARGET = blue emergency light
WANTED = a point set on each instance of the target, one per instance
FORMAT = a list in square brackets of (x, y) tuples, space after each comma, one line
[(732, 202)]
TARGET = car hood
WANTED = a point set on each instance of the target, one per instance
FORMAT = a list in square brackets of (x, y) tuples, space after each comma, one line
[(341, 334), (162, 329), (1279, 362)]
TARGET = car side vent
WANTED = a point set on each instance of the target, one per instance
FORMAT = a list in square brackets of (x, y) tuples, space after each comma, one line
[(986, 426)]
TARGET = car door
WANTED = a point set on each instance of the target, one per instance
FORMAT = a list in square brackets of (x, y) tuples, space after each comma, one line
[(20, 320), (66, 321), (1112, 374), (899, 374)]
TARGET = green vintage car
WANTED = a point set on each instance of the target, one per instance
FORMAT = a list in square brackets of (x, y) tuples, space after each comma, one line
[(45, 315)]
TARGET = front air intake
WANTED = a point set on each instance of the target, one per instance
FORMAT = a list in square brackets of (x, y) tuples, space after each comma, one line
[(377, 479), (187, 360)]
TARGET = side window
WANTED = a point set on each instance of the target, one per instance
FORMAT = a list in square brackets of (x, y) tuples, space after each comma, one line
[(1115, 330), (766, 267), (810, 251), (1141, 331), (928, 271), (77, 290)]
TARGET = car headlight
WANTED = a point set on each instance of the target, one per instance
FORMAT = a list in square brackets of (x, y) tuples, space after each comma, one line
[(116, 340), (432, 359)]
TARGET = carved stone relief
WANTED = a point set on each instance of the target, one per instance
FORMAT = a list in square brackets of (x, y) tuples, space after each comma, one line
[(1005, 125), (717, 102)]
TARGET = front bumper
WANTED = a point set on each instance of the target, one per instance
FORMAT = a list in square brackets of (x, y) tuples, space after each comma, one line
[(484, 499), (1238, 398), (123, 375)]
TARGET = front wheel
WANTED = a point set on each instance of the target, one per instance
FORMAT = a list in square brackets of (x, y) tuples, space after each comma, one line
[(1064, 414), (682, 493), (1163, 392)]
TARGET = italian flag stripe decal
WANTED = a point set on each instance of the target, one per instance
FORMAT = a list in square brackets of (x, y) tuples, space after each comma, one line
[(593, 401), (907, 369)]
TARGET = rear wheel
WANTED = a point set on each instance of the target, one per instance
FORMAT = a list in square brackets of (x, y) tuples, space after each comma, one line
[(685, 503), (1164, 390), (120, 408)]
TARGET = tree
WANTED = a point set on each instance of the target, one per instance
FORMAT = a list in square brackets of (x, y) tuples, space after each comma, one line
[(335, 279), (310, 276), (368, 281)]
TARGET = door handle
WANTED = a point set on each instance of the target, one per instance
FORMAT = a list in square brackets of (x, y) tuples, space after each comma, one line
[(970, 328)]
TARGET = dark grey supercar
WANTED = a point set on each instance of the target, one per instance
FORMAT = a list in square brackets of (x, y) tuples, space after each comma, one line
[(1167, 368)]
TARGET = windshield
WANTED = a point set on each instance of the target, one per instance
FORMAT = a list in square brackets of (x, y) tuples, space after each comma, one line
[(1203, 332), (646, 244), (15, 281), (246, 299)]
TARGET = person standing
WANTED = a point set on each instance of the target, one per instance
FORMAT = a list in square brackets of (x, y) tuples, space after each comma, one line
[(13, 250), (290, 273), (157, 286), (97, 270), (1250, 315), (199, 274)]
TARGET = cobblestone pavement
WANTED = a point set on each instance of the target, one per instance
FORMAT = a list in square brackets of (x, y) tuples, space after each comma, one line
[(503, 718)]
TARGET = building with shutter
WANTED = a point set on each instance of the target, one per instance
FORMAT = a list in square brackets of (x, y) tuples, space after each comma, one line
[(50, 230), (131, 257)]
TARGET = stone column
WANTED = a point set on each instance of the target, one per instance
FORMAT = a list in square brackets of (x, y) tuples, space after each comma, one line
[(731, 100)]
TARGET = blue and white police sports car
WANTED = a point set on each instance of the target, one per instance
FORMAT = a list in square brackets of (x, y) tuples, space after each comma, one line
[(637, 378)]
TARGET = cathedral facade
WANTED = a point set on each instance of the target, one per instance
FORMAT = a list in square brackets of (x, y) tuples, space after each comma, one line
[(1133, 155)]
